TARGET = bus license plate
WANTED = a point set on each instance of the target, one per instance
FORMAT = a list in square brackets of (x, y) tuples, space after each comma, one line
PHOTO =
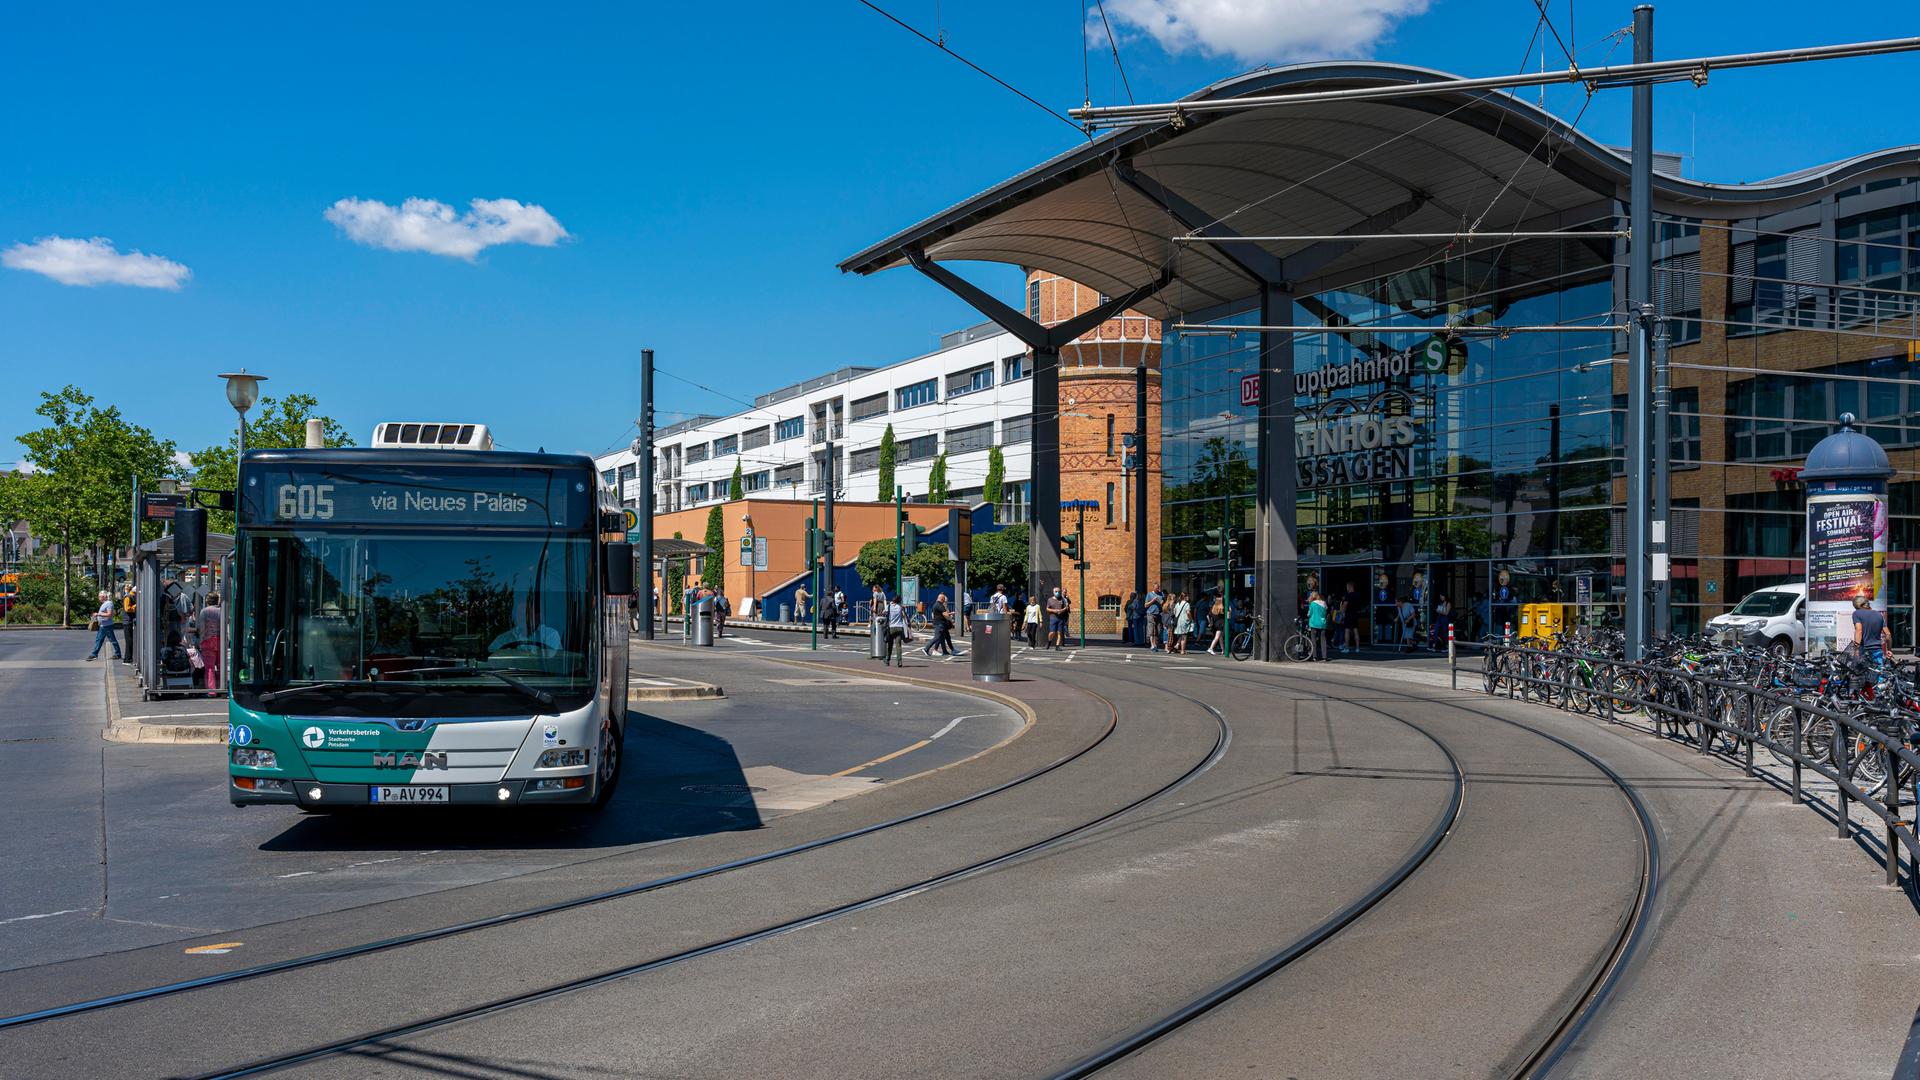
[(410, 793)]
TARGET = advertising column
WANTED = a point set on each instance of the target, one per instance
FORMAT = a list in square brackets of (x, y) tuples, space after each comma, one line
[(1846, 476), (1846, 557)]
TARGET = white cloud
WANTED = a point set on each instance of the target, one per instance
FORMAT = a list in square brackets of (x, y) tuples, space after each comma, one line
[(432, 226), (1262, 31), (94, 262)]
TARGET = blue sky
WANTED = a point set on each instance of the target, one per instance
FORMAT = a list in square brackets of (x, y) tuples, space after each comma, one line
[(707, 165)]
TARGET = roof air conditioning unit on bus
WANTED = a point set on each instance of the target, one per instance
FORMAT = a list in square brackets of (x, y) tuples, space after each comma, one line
[(437, 436)]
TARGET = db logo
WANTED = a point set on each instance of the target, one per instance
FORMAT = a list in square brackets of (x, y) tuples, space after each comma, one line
[(986, 628), (312, 738)]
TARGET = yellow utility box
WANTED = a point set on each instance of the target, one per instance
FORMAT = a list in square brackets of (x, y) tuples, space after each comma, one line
[(1542, 621)]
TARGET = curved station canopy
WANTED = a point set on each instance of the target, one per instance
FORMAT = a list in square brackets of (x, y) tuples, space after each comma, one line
[(1108, 214)]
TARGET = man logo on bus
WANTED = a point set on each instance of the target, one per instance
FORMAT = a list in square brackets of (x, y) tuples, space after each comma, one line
[(313, 738)]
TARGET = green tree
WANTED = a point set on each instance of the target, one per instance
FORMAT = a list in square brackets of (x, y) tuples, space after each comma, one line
[(929, 564), (937, 479), (875, 564), (676, 581), (734, 491), (85, 461), (714, 573), (1000, 558), (886, 464), (996, 476), (277, 424)]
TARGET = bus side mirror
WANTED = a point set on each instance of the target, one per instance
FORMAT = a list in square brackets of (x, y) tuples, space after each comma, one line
[(616, 568), (189, 536)]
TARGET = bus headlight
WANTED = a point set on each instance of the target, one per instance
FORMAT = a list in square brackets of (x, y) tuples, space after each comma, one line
[(561, 759), (255, 758)]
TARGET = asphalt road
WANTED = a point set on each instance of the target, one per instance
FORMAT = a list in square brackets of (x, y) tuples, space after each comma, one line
[(1293, 792), (112, 846)]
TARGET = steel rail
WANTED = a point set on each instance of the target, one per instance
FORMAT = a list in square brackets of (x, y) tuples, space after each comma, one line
[(437, 933), (1320, 933), (1223, 739), (1616, 75), (1541, 1059)]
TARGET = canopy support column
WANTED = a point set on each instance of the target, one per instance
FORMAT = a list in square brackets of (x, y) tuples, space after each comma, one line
[(1276, 554)]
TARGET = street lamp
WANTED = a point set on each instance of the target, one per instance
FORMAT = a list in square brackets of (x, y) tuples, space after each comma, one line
[(243, 389)]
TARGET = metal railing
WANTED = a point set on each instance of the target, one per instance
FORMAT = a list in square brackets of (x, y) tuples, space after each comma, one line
[(1725, 718)]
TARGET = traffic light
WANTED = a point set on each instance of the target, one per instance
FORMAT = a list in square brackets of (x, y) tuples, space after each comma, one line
[(813, 541), (1217, 543), (1129, 451), (909, 538), (1070, 546)]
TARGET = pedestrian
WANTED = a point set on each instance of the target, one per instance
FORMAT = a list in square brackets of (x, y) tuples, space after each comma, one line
[(633, 611), (800, 599), (1870, 634), (942, 628), (1182, 624), (998, 601), (1350, 619), (722, 607), (1056, 608), (1155, 607), (1317, 619), (830, 613), (103, 624), (210, 626), (1136, 614), (896, 631), (1031, 621), (1442, 619), (1407, 640), (1218, 617)]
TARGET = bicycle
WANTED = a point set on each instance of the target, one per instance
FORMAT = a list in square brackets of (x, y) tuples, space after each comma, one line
[(1241, 647), (1299, 645)]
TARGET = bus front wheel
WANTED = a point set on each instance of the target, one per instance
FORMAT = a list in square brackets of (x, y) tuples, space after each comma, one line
[(608, 773)]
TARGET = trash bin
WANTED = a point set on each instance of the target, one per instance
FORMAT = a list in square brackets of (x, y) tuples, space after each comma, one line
[(992, 646), (786, 612), (877, 637), (703, 623)]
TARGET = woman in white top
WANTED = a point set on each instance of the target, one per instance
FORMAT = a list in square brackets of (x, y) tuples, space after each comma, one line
[(103, 621), (1033, 623), (1182, 623)]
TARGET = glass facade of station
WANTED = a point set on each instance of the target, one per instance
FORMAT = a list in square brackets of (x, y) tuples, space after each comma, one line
[(1486, 471)]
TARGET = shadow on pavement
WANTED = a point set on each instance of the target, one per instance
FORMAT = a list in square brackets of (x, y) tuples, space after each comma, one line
[(678, 782)]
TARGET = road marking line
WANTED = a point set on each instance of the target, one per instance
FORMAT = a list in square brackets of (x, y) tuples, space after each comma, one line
[(297, 873), (42, 915), (213, 950), (882, 760), (954, 723)]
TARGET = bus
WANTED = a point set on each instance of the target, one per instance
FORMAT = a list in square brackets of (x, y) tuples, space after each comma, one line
[(417, 627)]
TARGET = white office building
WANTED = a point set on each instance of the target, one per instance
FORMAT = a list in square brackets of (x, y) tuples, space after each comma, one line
[(962, 400)]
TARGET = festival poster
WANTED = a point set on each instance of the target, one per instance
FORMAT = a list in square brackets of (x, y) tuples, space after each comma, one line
[(1846, 558)]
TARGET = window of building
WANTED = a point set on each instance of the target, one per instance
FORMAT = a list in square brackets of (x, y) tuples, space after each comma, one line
[(789, 474), (1033, 299), (1014, 501), (919, 393), (754, 481), (1778, 416), (790, 429), (869, 406), (968, 439), (696, 452), (923, 448), (970, 382), (1788, 277), (728, 445), (1109, 602), (1683, 418), (864, 460), (696, 493), (1109, 434), (1109, 504), (1876, 251), (1015, 368), (754, 439), (1677, 281), (628, 473), (1016, 429), (606, 478)]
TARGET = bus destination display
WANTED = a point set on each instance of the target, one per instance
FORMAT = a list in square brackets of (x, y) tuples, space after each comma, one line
[(522, 498)]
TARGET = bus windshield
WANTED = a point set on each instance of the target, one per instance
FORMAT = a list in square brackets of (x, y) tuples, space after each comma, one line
[(412, 624)]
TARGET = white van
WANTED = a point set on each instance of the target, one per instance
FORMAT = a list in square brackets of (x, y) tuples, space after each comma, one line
[(1777, 613)]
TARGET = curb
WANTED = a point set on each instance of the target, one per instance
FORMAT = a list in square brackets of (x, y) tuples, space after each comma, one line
[(134, 731)]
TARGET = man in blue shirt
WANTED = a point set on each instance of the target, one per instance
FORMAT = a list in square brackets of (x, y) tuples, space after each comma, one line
[(1156, 603)]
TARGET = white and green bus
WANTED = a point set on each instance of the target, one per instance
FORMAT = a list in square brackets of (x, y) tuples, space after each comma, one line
[(423, 627)]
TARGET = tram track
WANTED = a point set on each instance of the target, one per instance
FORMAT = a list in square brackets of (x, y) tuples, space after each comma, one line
[(1215, 754), (1538, 1060), (399, 941)]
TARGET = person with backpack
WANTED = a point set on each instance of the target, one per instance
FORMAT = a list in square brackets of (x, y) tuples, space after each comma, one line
[(830, 613), (722, 607)]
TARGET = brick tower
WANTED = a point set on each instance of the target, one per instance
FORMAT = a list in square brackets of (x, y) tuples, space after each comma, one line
[(1097, 409)]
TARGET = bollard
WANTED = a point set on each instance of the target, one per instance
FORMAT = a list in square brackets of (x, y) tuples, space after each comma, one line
[(1893, 817), (1449, 644), (1507, 637), (1751, 724), (1797, 742), (1839, 760)]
